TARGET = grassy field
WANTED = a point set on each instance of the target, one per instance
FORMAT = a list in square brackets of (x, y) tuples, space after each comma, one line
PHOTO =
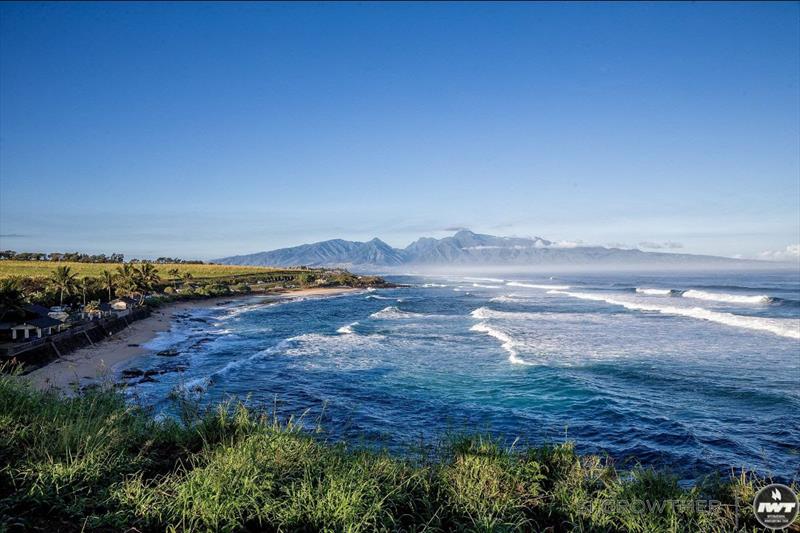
[(43, 269), (93, 463)]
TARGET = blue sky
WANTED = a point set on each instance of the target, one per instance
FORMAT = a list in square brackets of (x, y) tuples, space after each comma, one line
[(204, 130)]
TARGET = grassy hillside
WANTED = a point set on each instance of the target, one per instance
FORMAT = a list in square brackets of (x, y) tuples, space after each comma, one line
[(43, 269), (93, 463)]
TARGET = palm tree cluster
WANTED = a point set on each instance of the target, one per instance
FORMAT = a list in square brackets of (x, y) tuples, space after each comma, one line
[(136, 281), (127, 280), (64, 281)]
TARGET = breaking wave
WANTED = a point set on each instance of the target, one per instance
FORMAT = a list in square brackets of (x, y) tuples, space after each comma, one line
[(536, 286), (654, 292), (486, 286), (506, 298), (784, 327), (378, 297), (233, 312), (484, 313), (393, 312), (727, 298), (348, 329), (508, 343)]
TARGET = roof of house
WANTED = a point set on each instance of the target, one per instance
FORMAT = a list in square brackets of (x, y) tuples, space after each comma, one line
[(44, 322), (37, 309), (39, 322)]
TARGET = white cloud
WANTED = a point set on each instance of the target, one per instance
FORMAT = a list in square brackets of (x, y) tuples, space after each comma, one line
[(668, 245), (791, 252), (567, 244)]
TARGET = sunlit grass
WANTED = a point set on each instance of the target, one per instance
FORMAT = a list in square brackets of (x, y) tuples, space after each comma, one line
[(43, 269)]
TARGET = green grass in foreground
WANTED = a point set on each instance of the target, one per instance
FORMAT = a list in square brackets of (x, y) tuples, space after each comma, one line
[(94, 463)]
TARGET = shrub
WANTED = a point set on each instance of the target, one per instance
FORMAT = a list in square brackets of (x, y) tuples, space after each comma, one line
[(91, 461)]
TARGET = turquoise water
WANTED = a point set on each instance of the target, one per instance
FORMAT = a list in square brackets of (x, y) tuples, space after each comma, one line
[(697, 373)]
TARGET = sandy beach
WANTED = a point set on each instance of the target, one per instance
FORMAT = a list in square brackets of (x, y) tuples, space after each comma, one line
[(94, 364)]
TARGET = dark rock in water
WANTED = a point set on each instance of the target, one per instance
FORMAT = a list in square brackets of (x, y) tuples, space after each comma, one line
[(168, 353), (202, 342), (132, 373), (147, 375), (133, 345), (147, 379)]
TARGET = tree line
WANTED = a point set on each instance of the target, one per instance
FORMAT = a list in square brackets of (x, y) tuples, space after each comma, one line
[(134, 281), (77, 257)]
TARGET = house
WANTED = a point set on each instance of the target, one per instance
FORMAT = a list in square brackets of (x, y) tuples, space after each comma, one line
[(35, 327), (122, 306), (33, 322), (103, 310)]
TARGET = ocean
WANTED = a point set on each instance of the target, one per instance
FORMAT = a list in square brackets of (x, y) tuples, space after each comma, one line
[(698, 373)]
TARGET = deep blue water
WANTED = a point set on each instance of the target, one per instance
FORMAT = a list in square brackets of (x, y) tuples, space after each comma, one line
[(694, 381)]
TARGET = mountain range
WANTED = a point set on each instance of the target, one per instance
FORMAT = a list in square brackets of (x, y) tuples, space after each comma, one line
[(468, 249)]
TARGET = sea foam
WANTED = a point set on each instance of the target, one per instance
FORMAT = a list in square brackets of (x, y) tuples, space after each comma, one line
[(348, 329), (393, 312), (484, 313), (654, 292), (508, 343), (784, 327), (728, 298), (537, 286), (378, 297)]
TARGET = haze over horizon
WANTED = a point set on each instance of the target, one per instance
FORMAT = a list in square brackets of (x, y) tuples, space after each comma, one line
[(204, 131)]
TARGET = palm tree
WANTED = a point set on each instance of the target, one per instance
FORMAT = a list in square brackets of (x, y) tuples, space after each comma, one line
[(64, 281), (11, 298), (107, 281), (148, 278), (126, 280), (175, 273), (87, 284)]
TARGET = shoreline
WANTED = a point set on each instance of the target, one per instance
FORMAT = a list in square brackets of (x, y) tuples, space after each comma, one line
[(94, 364)]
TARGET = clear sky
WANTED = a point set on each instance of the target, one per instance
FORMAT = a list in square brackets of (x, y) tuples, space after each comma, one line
[(204, 130)]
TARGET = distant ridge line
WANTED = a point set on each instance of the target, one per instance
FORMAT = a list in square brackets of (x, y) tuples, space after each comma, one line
[(468, 249)]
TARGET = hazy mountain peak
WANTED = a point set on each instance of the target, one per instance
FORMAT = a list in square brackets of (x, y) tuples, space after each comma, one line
[(465, 248)]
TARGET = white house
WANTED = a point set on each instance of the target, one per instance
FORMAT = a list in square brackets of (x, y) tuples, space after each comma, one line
[(35, 327)]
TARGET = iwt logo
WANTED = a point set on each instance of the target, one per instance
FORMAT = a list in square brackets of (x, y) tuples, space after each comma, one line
[(775, 506)]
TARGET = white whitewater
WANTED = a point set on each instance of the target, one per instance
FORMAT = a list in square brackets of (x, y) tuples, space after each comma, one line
[(727, 298), (348, 329), (537, 286), (654, 292), (786, 327), (508, 344), (394, 312)]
